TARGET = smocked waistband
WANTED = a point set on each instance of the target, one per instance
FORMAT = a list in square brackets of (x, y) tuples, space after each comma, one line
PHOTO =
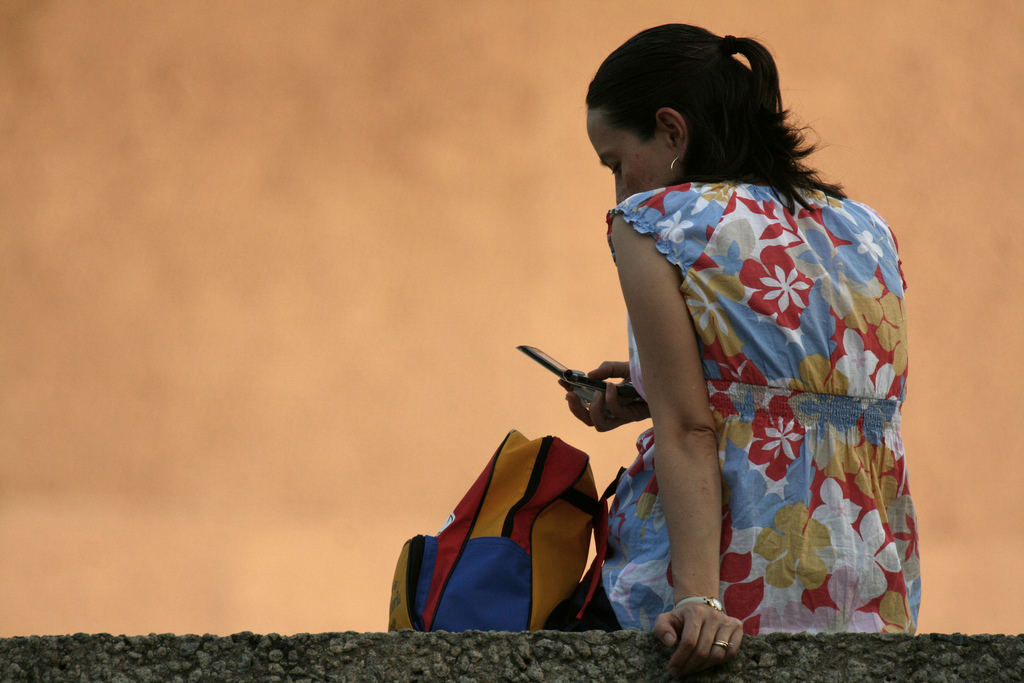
[(809, 409)]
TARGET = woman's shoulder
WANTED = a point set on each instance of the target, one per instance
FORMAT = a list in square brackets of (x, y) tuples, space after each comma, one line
[(708, 199), (664, 201), (706, 204), (681, 218), (684, 218), (676, 209)]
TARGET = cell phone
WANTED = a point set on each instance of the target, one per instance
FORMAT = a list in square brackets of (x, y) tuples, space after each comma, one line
[(583, 386)]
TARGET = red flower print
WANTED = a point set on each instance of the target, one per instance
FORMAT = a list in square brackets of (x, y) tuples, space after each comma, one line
[(777, 289), (777, 447), (910, 537), (735, 567), (741, 599)]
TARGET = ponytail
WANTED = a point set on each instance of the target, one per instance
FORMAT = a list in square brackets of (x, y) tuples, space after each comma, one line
[(762, 69)]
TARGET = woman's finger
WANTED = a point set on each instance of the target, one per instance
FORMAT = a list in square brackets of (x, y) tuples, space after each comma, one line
[(726, 643), (613, 406), (611, 399), (717, 649), (577, 409), (600, 417), (666, 628), (686, 657), (610, 368), (597, 416), (629, 411), (735, 639)]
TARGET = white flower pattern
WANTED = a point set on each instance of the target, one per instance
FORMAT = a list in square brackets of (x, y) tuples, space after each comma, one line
[(868, 246), (784, 287)]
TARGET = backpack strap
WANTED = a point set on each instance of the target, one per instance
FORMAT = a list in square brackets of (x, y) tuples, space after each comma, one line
[(582, 502), (610, 491), (593, 575)]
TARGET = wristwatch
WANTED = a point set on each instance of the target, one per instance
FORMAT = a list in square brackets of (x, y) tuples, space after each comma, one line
[(706, 599)]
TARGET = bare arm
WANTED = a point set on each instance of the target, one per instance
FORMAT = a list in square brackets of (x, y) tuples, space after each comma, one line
[(689, 478)]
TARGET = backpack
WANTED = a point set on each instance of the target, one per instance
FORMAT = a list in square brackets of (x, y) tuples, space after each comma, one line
[(513, 549)]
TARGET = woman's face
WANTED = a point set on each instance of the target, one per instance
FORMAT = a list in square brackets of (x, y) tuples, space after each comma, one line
[(637, 165)]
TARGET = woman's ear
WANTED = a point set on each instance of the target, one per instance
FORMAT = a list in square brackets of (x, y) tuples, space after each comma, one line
[(672, 126)]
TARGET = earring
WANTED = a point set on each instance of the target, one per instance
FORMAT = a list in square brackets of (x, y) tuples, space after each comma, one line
[(672, 166)]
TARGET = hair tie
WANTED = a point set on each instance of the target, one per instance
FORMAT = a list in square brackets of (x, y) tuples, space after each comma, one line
[(728, 46)]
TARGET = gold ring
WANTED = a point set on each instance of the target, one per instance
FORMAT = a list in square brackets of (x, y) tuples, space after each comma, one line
[(723, 643)]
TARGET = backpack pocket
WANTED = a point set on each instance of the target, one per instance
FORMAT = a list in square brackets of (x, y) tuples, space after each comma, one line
[(489, 589)]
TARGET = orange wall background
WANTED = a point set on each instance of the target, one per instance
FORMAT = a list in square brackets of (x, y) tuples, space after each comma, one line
[(263, 269)]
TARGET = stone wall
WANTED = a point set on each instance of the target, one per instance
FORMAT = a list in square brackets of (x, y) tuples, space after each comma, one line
[(479, 656)]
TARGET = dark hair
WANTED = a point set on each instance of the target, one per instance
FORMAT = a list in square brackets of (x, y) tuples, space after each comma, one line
[(738, 129)]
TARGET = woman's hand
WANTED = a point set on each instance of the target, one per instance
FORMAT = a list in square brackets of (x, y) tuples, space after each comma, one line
[(694, 629), (606, 412)]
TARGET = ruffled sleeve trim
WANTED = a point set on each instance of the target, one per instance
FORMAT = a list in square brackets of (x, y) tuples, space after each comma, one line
[(681, 218)]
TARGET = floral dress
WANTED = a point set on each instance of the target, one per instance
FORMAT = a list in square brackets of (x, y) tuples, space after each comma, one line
[(802, 335)]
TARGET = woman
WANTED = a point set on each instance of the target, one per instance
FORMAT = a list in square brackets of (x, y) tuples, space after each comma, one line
[(766, 311)]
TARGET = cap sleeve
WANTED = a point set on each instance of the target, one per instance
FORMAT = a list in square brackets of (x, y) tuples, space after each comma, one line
[(681, 218)]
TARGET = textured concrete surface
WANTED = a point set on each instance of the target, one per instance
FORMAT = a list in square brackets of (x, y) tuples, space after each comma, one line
[(478, 656)]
